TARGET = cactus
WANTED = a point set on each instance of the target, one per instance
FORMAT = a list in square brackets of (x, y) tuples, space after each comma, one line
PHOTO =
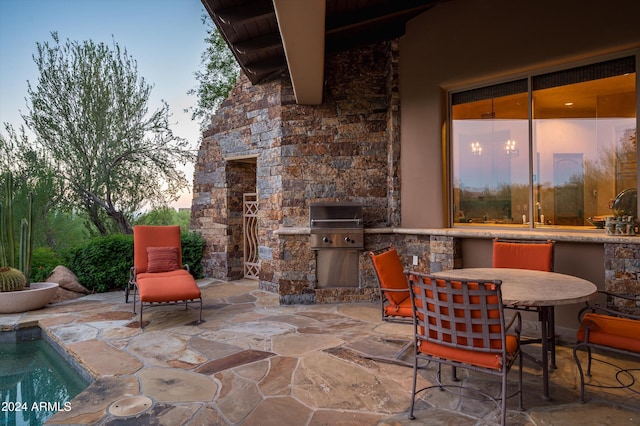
[(7, 238), (11, 279)]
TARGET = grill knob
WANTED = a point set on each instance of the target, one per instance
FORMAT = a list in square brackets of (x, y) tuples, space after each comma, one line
[(348, 240), (326, 240)]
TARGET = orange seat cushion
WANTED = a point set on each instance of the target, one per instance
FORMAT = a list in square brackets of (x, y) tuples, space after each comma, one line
[(403, 309), (537, 257), (481, 359), (169, 287), (607, 330), (391, 276)]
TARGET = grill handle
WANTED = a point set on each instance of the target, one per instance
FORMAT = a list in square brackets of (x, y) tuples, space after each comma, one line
[(357, 221)]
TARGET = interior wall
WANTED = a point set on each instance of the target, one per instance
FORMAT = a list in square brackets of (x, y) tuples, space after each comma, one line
[(462, 43)]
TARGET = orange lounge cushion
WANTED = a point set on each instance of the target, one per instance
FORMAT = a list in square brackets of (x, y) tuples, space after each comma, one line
[(175, 273), (391, 275), (403, 309), (607, 330), (168, 288), (162, 259), (481, 359), (538, 257), (153, 236)]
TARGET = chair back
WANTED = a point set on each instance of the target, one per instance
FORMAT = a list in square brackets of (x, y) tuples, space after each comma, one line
[(536, 255), (459, 318), (154, 236), (390, 273)]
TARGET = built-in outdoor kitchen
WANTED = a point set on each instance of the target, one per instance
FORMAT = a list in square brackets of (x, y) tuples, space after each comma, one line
[(302, 161), (337, 239), (324, 177)]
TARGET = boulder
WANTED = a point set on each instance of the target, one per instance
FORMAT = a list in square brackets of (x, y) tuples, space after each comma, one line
[(70, 288)]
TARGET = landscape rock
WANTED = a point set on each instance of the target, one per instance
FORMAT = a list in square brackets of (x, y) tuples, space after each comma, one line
[(70, 288)]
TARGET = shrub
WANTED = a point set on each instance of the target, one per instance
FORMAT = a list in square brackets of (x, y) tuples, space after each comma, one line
[(192, 250), (104, 263), (43, 262)]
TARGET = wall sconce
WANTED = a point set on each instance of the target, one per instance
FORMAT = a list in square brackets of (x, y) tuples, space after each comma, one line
[(510, 149), (476, 148)]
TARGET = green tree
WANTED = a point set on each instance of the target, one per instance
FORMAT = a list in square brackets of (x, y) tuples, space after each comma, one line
[(54, 226), (32, 174), (165, 216), (89, 111), (218, 74)]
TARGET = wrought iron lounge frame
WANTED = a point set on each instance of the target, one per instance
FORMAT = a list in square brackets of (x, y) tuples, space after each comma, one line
[(132, 286)]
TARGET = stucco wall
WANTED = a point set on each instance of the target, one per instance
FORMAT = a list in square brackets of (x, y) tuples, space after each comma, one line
[(462, 43)]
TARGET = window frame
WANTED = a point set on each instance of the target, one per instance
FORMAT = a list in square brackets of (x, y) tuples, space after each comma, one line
[(529, 76)]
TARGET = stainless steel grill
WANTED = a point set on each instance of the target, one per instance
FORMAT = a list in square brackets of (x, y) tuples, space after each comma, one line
[(337, 237)]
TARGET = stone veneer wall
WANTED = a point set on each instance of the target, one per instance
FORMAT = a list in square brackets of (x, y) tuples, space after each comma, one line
[(622, 274), (346, 149), (246, 130)]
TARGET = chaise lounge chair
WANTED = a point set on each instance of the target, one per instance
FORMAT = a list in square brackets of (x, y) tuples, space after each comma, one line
[(158, 274)]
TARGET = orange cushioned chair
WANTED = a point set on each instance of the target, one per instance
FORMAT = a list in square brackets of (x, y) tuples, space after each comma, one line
[(532, 255), (158, 274), (461, 323), (395, 304), (607, 329), (394, 288)]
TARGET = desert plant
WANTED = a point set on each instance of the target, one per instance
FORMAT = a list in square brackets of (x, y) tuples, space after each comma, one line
[(7, 238), (11, 279)]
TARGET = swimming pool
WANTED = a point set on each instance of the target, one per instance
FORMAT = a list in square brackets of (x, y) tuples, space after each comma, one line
[(35, 380)]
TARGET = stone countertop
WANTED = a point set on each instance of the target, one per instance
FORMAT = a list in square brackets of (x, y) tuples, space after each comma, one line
[(583, 236), (531, 288)]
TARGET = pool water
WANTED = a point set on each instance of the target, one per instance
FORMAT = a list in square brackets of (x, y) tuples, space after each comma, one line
[(35, 382)]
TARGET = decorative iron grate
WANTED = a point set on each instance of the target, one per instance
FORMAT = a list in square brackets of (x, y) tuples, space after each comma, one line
[(250, 228)]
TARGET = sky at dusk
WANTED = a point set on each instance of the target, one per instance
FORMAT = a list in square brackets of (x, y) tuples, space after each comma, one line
[(165, 37)]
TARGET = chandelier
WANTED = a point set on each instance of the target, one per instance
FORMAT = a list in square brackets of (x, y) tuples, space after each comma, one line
[(510, 149), (476, 148)]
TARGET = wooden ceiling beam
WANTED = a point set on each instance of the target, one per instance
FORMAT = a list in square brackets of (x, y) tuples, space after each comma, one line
[(266, 67), (372, 15), (266, 42), (245, 13)]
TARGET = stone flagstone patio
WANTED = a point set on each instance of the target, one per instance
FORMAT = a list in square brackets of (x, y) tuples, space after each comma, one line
[(254, 362)]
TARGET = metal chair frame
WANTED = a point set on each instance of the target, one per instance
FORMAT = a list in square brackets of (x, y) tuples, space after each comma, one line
[(132, 286), (546, 314), (463, 315), (384, 302), (588, 345)]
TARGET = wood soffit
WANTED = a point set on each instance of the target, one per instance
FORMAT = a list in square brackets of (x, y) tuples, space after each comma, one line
[(251, 28)]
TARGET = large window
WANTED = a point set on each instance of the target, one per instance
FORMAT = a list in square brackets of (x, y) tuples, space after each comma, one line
[(548, 150)]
